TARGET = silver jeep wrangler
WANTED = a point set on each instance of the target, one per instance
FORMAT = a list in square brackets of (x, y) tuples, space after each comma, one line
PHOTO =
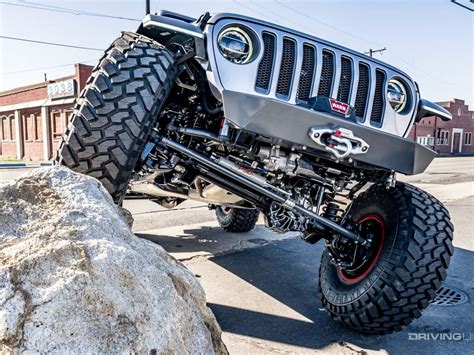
[(251, 117)]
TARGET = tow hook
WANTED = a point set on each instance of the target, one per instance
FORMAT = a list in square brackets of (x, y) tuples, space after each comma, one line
[(339, 141)]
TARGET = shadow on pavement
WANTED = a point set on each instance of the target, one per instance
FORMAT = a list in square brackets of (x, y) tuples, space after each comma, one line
[(197, 240), (211, 240), (287, 271)]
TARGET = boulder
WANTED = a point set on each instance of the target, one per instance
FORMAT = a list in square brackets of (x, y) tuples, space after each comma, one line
[(75, 279)]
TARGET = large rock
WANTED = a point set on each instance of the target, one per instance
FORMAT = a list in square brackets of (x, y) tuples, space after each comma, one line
[(74, 278)]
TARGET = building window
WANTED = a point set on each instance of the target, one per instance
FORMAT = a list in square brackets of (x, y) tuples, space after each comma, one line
[(12, 128), (442, 138), (429, 141), (27, 128), (38, 128), (67, 120), (467, 138), (3, 128), (32, 128), (459, 111), (56, 124)]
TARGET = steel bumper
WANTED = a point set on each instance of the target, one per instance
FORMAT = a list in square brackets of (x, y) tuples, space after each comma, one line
[(292, 123)]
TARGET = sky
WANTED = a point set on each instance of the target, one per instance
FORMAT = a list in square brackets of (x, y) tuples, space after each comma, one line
[(431, 40)]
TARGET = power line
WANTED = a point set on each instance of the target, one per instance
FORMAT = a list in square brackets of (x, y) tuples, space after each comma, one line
[(66, 10), (326, 24), (276, 14), (462, 5), (44, 68), (286, 19), (37, 7), (428, 74), (72, 11), (50, 43), (249, 8)]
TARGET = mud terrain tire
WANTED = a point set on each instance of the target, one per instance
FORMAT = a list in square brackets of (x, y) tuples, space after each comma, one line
[(237, 220), (409, 268), (117, 110)]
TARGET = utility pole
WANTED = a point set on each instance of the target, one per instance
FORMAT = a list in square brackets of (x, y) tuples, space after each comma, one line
[(371, 51), (147, 7)]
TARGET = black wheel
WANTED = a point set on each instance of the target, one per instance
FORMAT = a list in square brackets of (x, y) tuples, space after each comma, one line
[(237, 220), (117, 110), (389, 284)]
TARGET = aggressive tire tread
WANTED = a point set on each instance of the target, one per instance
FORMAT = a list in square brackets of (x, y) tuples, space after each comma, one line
[(238, 220), (117, 110), (415, 270)]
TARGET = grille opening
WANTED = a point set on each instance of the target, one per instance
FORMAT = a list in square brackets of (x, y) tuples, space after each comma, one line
[(378, 104), (307, 72), (287, 67), (327, 73), (362, 91), (345, 81), (265, 67)]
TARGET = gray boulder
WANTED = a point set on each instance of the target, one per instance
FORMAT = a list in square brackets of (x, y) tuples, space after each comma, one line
[(75, 279)]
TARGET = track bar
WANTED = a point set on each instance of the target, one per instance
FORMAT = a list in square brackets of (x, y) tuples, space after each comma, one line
[(285, 202)]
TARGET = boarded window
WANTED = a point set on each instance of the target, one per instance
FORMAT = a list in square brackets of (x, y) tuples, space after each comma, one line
[(38, 128), (67, 118), (59, 122), (12, 127), (32, 128), (56, 124), (3, 128), (27, 128)]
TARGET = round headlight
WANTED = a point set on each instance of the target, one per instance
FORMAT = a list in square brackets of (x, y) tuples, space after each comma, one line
[(397, 95), (235, 45)]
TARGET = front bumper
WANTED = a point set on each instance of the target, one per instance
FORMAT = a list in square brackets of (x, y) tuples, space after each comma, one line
[(291, 123)]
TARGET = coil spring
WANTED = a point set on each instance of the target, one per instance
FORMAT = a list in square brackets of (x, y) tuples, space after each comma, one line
[(332, 211), (192, 122)]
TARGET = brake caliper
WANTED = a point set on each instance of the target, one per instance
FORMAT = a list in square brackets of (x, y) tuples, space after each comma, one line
[(339, 141)]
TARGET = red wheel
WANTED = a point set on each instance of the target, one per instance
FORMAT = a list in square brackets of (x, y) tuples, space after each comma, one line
[(383, 287), (371, 227)]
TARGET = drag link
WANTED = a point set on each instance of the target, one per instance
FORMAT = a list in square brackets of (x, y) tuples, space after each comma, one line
[(282, 201)]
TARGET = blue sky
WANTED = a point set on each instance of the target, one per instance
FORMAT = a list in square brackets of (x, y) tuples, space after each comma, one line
[(430, 40)]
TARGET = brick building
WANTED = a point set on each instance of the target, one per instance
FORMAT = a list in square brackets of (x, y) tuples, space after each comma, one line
[(34, 117), (446, 138)]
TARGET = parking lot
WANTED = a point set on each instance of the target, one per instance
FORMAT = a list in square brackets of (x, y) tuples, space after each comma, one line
[(262, 286)]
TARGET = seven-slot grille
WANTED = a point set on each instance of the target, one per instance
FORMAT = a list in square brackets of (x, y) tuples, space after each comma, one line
[(322, 72)]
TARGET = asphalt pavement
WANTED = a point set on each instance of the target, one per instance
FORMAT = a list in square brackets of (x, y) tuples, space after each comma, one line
[(262, 286)]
